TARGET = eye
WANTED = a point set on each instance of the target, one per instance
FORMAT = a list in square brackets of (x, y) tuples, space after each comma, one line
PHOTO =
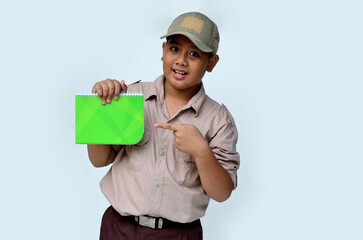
[(194, 54), (174, 49)]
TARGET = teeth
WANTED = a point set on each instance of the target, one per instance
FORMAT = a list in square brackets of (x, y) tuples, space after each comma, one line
[(180, 72)]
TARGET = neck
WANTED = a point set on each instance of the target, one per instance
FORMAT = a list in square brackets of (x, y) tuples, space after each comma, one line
[(180, 96)]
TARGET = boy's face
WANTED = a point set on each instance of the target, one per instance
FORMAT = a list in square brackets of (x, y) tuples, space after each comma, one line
[(184, 64)]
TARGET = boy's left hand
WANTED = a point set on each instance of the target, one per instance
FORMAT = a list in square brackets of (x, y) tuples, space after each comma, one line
[(188, 138)]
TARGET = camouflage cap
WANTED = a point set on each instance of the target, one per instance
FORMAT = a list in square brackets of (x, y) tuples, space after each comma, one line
[(202, 31)]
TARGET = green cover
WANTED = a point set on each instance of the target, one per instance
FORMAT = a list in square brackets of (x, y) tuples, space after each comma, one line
[(118, 122)]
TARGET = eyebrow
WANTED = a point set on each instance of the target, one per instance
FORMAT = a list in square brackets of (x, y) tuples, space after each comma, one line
[(174, 41)]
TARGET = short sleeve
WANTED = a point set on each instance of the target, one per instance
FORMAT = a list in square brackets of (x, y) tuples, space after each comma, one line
[(224, 142), (115, 149)]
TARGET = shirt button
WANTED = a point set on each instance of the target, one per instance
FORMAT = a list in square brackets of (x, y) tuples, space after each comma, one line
[(157, 184), (162, 153)]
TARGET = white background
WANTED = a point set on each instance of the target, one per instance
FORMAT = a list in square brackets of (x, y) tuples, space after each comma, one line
[(290, 72)]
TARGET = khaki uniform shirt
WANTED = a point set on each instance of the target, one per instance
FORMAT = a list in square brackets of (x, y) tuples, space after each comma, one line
[(153, 177)]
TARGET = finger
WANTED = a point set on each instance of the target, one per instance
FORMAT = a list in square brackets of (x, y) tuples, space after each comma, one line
[(173, 127), (105, 91), (97, 89), (117, 89), (94, 90), (123, 86), (111, 89)]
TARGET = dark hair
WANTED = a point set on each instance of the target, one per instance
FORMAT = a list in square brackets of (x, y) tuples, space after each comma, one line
[(210, 54)]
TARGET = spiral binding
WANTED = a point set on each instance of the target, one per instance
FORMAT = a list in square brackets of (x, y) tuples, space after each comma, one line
[(121, 95)]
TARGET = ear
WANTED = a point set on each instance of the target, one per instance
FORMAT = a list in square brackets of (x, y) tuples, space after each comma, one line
[(212, 62), (163, 47)]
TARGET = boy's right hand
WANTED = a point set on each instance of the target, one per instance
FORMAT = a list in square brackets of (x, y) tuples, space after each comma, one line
[(108, 88)]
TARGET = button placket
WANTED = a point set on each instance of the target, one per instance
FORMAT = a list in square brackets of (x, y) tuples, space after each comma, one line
[(159, 171)]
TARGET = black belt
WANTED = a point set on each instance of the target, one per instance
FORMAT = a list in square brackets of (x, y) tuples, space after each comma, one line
[(156, 222)]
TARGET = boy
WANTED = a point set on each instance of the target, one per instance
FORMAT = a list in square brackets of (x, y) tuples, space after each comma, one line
[(161, 186)]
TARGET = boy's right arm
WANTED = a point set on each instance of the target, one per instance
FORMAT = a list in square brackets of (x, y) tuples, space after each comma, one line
[(99, 154)]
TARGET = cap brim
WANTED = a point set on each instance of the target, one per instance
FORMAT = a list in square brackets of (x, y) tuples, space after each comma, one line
[(200, 45)]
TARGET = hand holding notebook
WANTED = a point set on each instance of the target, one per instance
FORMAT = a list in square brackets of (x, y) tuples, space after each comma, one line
[(108, 88)]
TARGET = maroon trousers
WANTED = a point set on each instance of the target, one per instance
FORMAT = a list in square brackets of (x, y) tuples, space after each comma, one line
[(116, 227)]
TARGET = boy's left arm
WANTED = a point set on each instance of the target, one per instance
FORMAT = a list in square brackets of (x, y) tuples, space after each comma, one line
[(216, 181)]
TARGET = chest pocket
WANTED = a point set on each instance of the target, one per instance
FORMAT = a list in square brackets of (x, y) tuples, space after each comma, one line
[(139, 153), (186, 172)]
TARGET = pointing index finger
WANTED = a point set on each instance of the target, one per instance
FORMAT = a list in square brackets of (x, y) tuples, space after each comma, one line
[(173, 127)]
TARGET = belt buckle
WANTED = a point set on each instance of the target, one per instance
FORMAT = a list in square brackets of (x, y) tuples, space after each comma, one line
[(149, 222)]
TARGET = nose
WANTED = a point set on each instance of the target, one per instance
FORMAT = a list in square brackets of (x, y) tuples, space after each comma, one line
[(182, 59)]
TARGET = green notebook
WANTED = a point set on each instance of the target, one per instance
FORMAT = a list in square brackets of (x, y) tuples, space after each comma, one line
[(118, 122)]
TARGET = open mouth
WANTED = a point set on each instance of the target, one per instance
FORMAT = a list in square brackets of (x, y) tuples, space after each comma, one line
[(179, 74)]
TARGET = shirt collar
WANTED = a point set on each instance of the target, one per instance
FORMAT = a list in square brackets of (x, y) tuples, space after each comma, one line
[(156, 89)]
